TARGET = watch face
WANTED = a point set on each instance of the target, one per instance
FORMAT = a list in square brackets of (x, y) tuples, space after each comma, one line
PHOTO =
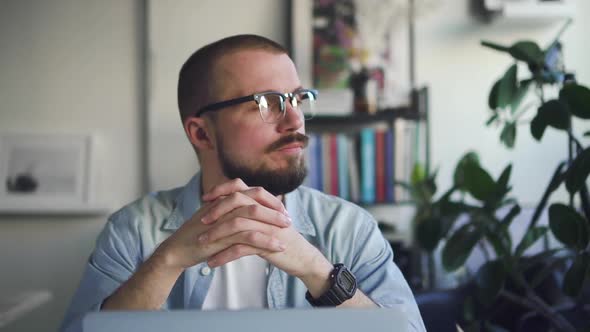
[(347, 281)]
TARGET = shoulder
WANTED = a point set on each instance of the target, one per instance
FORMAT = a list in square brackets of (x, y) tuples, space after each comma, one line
[(329, 205), (140, 222)]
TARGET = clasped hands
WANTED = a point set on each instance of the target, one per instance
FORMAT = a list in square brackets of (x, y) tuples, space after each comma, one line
[(236, 221)]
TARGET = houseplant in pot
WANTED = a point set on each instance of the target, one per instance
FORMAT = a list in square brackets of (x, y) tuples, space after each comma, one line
[(509, 277)]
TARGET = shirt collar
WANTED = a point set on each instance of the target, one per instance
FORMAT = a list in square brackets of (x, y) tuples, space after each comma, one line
[(188, 202)]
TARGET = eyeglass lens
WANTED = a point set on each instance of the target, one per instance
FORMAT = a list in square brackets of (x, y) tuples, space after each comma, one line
[(272, 105)]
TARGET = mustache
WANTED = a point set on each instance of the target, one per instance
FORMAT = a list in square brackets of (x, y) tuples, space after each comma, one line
[(285, 140)]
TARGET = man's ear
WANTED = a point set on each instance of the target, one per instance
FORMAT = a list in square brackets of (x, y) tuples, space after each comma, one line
[(199, 132)]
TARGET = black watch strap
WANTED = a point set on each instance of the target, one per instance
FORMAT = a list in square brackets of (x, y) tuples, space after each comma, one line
[(342, 288)]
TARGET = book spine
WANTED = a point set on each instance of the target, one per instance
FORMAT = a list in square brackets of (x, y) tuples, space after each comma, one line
[(334, 185), (343, 178), (389, 166), (326, 166), (380, 183), (367, 166)]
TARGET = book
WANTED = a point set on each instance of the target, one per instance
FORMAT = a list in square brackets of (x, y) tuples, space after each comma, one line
[(389, 165), (343, 172), (380, 182), (353, 169), (334, 179), (367, 162)]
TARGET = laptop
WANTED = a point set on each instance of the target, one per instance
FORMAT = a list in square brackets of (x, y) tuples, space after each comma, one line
[(291, 320)]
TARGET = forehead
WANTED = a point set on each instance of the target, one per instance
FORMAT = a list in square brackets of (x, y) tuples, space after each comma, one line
[(249, 71)]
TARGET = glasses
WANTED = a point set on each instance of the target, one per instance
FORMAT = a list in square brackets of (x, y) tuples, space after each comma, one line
[(272, 105)]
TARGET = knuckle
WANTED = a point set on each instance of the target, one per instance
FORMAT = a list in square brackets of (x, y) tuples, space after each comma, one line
[(252, 237), (253, 209)]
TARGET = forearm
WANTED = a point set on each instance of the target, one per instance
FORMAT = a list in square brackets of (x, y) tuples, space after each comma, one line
[(147, 289)]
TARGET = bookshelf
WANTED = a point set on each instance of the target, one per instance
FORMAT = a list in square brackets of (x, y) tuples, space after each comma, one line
[(368, 176)]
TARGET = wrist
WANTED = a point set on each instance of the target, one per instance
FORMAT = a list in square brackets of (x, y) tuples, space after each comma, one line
[(164, 259), (317, 277)]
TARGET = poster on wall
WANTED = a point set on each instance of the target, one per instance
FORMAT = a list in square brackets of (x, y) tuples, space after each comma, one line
[(333, 42), (44, 172)]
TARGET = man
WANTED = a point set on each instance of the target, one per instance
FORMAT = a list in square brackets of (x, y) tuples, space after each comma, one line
[(242, 233)]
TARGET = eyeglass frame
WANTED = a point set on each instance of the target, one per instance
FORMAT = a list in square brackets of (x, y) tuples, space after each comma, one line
[(256, 98)]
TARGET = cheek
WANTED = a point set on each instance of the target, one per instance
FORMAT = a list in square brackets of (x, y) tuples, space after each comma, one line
[(246, 142)]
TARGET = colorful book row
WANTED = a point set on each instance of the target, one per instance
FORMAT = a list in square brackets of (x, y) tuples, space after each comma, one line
[(363, 167)]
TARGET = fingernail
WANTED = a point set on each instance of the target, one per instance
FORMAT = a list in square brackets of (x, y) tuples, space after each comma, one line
[(204, 220), (285, 212), (289, 221), (203, 238)]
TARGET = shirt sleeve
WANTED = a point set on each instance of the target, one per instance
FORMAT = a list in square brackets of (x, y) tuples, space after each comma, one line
[(114, 260), (378, 276)]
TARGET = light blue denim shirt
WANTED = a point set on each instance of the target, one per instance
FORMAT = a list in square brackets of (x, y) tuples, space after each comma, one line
[(342, 231)]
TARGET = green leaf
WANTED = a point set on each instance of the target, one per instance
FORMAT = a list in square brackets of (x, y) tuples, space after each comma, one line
[(538, 126), (459, 246), (527, 51), (428, 233), (418, 174), (500, 239), (493, 97), (508, 135), (531, 236), (568, 226), (490, 281), (478, 182), (507, 87), (576, 276), (459, 175), (502, 184), (577, 97), (555, 114), (495, 46), (514, 211), (521, 92), (578, 172)]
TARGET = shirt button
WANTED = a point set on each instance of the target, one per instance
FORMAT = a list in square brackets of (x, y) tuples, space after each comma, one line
[(205, 271)]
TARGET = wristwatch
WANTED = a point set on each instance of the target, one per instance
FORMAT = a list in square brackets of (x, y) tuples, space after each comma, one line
[(342, 288)]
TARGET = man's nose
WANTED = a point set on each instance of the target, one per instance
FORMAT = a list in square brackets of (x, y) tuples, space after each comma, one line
[(293, 118)]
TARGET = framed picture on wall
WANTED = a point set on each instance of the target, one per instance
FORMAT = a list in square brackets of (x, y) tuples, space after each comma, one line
[(44, 172), (331, 41)]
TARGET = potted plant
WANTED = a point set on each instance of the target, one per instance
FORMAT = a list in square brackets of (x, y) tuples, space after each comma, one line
[(509, 276)]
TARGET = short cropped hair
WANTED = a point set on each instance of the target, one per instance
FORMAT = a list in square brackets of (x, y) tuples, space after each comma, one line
[(197, 83)]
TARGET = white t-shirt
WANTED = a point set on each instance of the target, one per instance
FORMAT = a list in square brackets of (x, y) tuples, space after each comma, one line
[(240, 284)]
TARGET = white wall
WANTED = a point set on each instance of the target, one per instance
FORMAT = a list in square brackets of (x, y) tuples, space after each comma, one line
[(460, 74), (67, 66)]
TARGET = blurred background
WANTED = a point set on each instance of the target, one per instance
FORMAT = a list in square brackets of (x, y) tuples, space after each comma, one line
[(109, 69)]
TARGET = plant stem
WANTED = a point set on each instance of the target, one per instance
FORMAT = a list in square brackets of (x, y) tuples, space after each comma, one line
[(570, 156), (540, 307), (485, 251)]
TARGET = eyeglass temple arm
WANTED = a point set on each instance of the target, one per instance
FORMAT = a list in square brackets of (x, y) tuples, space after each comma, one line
[(224, 104)]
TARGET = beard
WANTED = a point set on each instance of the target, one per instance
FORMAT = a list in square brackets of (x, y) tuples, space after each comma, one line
[(275, 181)]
